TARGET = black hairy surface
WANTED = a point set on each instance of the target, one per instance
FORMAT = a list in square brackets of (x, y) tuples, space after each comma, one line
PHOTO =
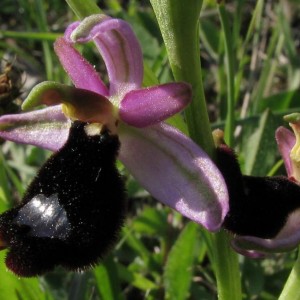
[(258, 206), (72, 211)]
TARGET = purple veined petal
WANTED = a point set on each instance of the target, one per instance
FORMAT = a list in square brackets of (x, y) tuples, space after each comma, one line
[(176, 172), (119, 48), (148, 106), (285, 140), (287, 239), (46, 128), (81, 72)]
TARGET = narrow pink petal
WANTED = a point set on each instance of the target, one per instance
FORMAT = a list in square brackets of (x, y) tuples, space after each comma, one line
[(176, 172), (82, 74), (119, 48), (285, 141), (46, 128), (287, 239), (148, 106)]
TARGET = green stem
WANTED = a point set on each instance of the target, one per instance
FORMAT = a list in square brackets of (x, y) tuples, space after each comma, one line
[(226, 268), (179, 24), (291, 289), (40, 36), (229, 128)]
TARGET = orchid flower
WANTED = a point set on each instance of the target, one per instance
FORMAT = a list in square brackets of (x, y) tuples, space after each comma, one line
[(264, 214), (88, 126), (163, 160)]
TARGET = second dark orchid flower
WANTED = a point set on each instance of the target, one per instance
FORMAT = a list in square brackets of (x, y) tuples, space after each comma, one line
[(264, 212)]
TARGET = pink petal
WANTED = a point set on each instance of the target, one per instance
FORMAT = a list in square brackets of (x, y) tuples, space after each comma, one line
[(46, 128), (144, 107), (119, 48), (285, 141), (82, 74), (287, 239), (176, 172)]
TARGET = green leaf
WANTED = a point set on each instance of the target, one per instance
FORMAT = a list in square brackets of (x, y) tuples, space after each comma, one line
[(281, 101), (14, 179), (260, 147), (152, 222), (141, 250), (178, 122), (5, 190), (230, 73), (179, 267), (210, 37), (291, 289), (149, 76), (107, 280), (253, 277), (135, 279), (80, 286)]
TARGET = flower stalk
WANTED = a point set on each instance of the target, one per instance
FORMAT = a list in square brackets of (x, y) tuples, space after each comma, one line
[(179, 24), (226, 267)]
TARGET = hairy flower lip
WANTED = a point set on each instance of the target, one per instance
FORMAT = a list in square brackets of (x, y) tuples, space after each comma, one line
[(71, 213)]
